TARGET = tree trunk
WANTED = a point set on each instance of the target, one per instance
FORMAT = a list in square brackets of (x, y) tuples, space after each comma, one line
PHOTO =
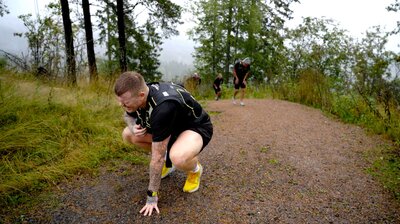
[(89, 41), (228, 40), (121, 35), (109, 46), (69, 43)]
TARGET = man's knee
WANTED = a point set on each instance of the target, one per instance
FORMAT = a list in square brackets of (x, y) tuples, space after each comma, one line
[(181, 156), (179, 159), (180, 153), (127, 135)]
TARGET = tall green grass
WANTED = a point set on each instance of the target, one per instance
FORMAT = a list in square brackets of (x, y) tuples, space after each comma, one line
[(48, 134)]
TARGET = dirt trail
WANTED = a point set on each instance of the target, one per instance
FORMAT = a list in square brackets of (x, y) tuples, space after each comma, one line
[(268, 162)]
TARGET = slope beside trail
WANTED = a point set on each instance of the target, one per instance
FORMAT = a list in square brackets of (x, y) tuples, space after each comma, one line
[(270, 161)]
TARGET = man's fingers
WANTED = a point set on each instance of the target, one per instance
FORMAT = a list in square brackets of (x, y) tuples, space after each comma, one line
[(148, 210), (144, 209)]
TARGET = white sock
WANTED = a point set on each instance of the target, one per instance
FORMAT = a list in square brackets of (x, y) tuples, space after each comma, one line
[(196, 169)]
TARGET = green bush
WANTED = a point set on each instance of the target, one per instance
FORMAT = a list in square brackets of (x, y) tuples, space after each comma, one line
[(3, 64)]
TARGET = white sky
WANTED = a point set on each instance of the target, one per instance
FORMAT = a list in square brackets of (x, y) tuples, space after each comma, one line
[(356, 16)]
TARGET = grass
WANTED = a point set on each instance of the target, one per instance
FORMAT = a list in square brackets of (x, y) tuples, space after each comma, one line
[(386, 167), (48, 134)]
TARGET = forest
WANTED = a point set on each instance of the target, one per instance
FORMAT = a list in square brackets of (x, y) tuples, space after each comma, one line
[(317, 63)]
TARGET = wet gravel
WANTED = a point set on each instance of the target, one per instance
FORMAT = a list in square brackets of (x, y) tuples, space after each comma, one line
[(270, 161)]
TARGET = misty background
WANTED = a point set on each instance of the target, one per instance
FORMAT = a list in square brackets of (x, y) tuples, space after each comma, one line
[(176, 58)]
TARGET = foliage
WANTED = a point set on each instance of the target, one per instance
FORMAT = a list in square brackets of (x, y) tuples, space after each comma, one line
[(372, 75), (386, 168), (143, 38), (3, 9), (314, 89), (319, 45), (229, 30), (354, 81), (64, 132), (44, 37), (395, 7), (209, 34), (3, 64)]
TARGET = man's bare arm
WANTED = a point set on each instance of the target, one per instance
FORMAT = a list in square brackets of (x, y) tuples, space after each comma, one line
[(245, 77), (130, 121), (234, 73), (158, 150)]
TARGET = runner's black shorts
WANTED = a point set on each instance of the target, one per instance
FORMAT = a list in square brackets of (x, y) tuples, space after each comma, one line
[(217, 90), (205, 130), (240, 84)]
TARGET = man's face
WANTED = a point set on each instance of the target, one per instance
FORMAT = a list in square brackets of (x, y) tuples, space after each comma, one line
[(130, 103)]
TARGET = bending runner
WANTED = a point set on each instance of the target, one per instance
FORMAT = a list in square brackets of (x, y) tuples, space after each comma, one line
[(165, 119), (241, 71)]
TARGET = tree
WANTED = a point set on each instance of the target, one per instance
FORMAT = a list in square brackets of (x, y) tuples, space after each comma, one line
[(121, 36), (89, 41), (142, 37), (69, 43), (319, 45), (238, 29), (209, 54), (395, 7), (228, 18), (3, 9), (372, 74), (371, 62), (44, 37)]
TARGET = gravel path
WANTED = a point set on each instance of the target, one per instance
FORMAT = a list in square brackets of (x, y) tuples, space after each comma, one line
[(270, 161)]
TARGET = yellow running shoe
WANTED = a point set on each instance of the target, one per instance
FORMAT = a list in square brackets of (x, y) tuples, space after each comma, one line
[(192, 183), (166, 171)]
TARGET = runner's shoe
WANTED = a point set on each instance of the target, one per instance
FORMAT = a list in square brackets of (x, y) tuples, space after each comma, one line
[(167, 171), (192, 183), (233, 100), (242, 104)]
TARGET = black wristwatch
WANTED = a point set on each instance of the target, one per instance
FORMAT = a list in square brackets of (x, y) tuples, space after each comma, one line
[(151, 193)]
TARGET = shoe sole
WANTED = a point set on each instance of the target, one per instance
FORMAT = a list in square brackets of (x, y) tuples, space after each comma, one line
[(201, 173)]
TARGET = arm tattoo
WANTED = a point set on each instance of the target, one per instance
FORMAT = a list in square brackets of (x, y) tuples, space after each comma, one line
[(151, 200), (130, 121), (158, 150)]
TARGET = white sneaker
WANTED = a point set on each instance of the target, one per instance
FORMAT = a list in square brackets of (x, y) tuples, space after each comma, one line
[(241, 104), (233, 100)]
